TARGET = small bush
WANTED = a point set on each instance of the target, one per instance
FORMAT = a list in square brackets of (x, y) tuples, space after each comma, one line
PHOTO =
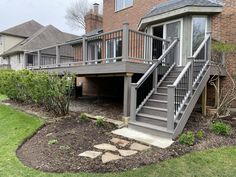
[(83, 117), (200, 134), (50, 142), (100, 121), (221, 128), (187, 138)]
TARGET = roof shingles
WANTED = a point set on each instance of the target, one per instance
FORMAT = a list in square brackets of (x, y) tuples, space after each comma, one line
[(177, 4)]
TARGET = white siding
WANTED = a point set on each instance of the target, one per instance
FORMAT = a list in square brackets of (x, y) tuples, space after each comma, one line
[(17, 61)]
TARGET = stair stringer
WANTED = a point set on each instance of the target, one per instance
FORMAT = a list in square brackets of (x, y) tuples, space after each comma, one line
[(188, 110)]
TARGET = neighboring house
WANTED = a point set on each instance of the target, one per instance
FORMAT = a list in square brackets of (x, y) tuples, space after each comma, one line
[(27, 37), (155, 55)]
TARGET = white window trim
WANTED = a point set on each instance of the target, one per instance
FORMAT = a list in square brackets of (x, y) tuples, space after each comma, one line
[(181, 35), (123, 7), (206, 29)]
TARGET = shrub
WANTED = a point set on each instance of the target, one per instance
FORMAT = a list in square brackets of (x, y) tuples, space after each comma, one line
[(48, 90), (200, 134), (221, 128), (83, 117), (50, 142), (187, 138), (100, 121)]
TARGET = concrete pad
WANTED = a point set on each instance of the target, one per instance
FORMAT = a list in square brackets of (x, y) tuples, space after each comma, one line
[(139, 147), (119, 142), (108, 157), (152, 140), (126, 153), (107, 147), (90, 154)]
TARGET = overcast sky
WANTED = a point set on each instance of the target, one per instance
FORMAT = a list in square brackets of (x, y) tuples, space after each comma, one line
[(13, 12)]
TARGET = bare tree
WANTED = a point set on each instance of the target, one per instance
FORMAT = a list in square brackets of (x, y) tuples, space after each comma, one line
[(75, 14), (228, 92)]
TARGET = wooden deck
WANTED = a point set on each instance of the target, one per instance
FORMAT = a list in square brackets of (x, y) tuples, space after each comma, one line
[(98, 69)]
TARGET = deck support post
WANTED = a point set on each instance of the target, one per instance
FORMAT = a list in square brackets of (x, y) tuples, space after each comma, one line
[(171, 108), (127, 92), (217, 93), (133, 102), (190, 81), (85, 46), (57, 55), (125, 43), (155, 78), (204, 101), (39, 58)]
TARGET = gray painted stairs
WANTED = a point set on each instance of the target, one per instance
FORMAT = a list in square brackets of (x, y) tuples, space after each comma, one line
[(152, 118)]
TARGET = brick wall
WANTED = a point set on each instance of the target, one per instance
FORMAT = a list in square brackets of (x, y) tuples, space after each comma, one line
[(224, 30), (114, 20)]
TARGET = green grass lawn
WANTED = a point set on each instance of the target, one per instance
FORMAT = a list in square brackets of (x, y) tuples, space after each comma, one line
[(2, 97), (15, 126)]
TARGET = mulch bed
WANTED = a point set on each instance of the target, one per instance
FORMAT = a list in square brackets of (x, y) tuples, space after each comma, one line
[(75, 137)]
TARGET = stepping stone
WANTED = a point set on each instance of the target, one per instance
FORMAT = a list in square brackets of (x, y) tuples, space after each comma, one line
[(90, 154), (108, 157), (107, 147), (119, 142), (126, 153), (49, 134), (139, 147)]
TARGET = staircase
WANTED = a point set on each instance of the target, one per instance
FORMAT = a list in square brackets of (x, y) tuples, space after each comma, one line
[(174, 93)]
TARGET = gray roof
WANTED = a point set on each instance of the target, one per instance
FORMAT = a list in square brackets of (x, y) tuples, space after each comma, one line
[(177, 4), (23, 30), (45, 37)]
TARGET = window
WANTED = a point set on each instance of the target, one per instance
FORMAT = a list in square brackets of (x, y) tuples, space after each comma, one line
[(114, 49), (122, 4), (199, 29), (30, 60), (18, 58)]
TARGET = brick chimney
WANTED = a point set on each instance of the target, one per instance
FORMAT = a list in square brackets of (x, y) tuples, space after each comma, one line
[(93, 20)]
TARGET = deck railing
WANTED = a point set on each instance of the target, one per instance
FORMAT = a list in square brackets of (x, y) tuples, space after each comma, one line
[(115, 46), (180, 92), (149, 82)]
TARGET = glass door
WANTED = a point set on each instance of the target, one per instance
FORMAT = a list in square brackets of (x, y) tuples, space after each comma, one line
[(169, 31), (172, 32)]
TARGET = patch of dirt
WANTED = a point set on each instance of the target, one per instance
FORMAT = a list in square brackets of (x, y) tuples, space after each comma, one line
[(74, 137), (106, 108)]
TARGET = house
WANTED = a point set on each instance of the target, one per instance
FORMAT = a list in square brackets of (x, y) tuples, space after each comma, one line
[(27, 37), (155, 54)]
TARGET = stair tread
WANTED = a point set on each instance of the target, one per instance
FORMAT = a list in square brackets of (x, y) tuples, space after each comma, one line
[(151, 126), (164, 94), (152, 116), (158, 101), (155, 108)]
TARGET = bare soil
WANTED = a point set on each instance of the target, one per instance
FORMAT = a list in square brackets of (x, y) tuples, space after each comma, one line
[(74, 137), (108, 108)]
